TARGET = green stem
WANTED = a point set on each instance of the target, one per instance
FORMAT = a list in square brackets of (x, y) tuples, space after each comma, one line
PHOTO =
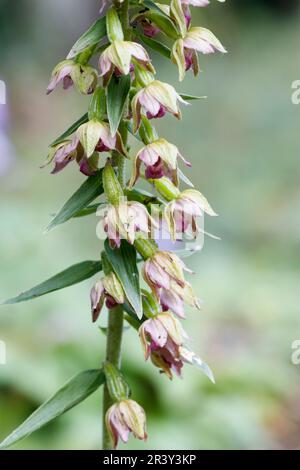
[(116, 315), (113, 355)]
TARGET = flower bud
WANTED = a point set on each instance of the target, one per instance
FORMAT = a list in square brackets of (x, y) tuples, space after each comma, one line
[(167, 189), (109, 288), (113, 26), (117, 387), (111, 185)]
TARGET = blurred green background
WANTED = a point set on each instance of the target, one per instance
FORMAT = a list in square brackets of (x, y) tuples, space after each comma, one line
[(244, 145)]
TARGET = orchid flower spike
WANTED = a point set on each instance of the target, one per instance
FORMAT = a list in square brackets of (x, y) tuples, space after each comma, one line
[(124, 417), (156, 98), (181, 213), (160, 159), (163, 272), (124, 220), (108, 289), (69, 72)]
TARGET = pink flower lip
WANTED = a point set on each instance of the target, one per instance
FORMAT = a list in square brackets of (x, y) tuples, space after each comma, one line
[(161, 113)]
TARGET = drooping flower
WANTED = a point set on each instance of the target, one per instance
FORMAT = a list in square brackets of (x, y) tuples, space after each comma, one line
[(119, 56), (162, 339), (176, 297), (184, 51), (96, 136), (160, 159), (71, 150), (162, 330), (70, 73), (108, 289), (163, 272), (181, 213), (124, 220), (124, 417), (156, 99)]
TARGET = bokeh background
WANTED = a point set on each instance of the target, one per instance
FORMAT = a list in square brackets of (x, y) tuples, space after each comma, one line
[(244, 144)]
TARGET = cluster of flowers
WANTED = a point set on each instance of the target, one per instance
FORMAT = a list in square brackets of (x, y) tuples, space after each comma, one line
[(161, 333)]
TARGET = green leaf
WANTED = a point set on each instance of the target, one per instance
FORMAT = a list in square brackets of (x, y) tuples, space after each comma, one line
[(91, 209), (163, 22), (192, 97), (72, 393), (124, 264), (71, 130), (88, 191), (152, 6), (73, 275), (117, 92), (155, 45), (140, 195), (90, 38)]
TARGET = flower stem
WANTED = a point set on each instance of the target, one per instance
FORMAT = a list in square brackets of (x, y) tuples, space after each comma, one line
[(116, 315), (113, 355)]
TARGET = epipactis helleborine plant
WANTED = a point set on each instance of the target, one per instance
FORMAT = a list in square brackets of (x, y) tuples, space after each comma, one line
[(127, 97)]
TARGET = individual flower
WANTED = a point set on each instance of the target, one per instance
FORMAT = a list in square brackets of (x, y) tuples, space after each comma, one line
[(119, 55), (71, 150), (160, 159), (149, 28), (96, 136), (175, 297), (181, 213), (124, 220), (163, 272), (162, 330), (64, 153), (108, 289), (162, 339), (124, 417), (155, 99), (70, 73), (184, 51)]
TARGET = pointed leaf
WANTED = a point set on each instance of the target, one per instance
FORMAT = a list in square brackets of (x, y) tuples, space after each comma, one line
[(155, 45), (91, 209), (163, 22), (71, 130), (73, 275), (117, 93), (72, 393), (124, 263), (90, 38), (87, 193), (192, 97)]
